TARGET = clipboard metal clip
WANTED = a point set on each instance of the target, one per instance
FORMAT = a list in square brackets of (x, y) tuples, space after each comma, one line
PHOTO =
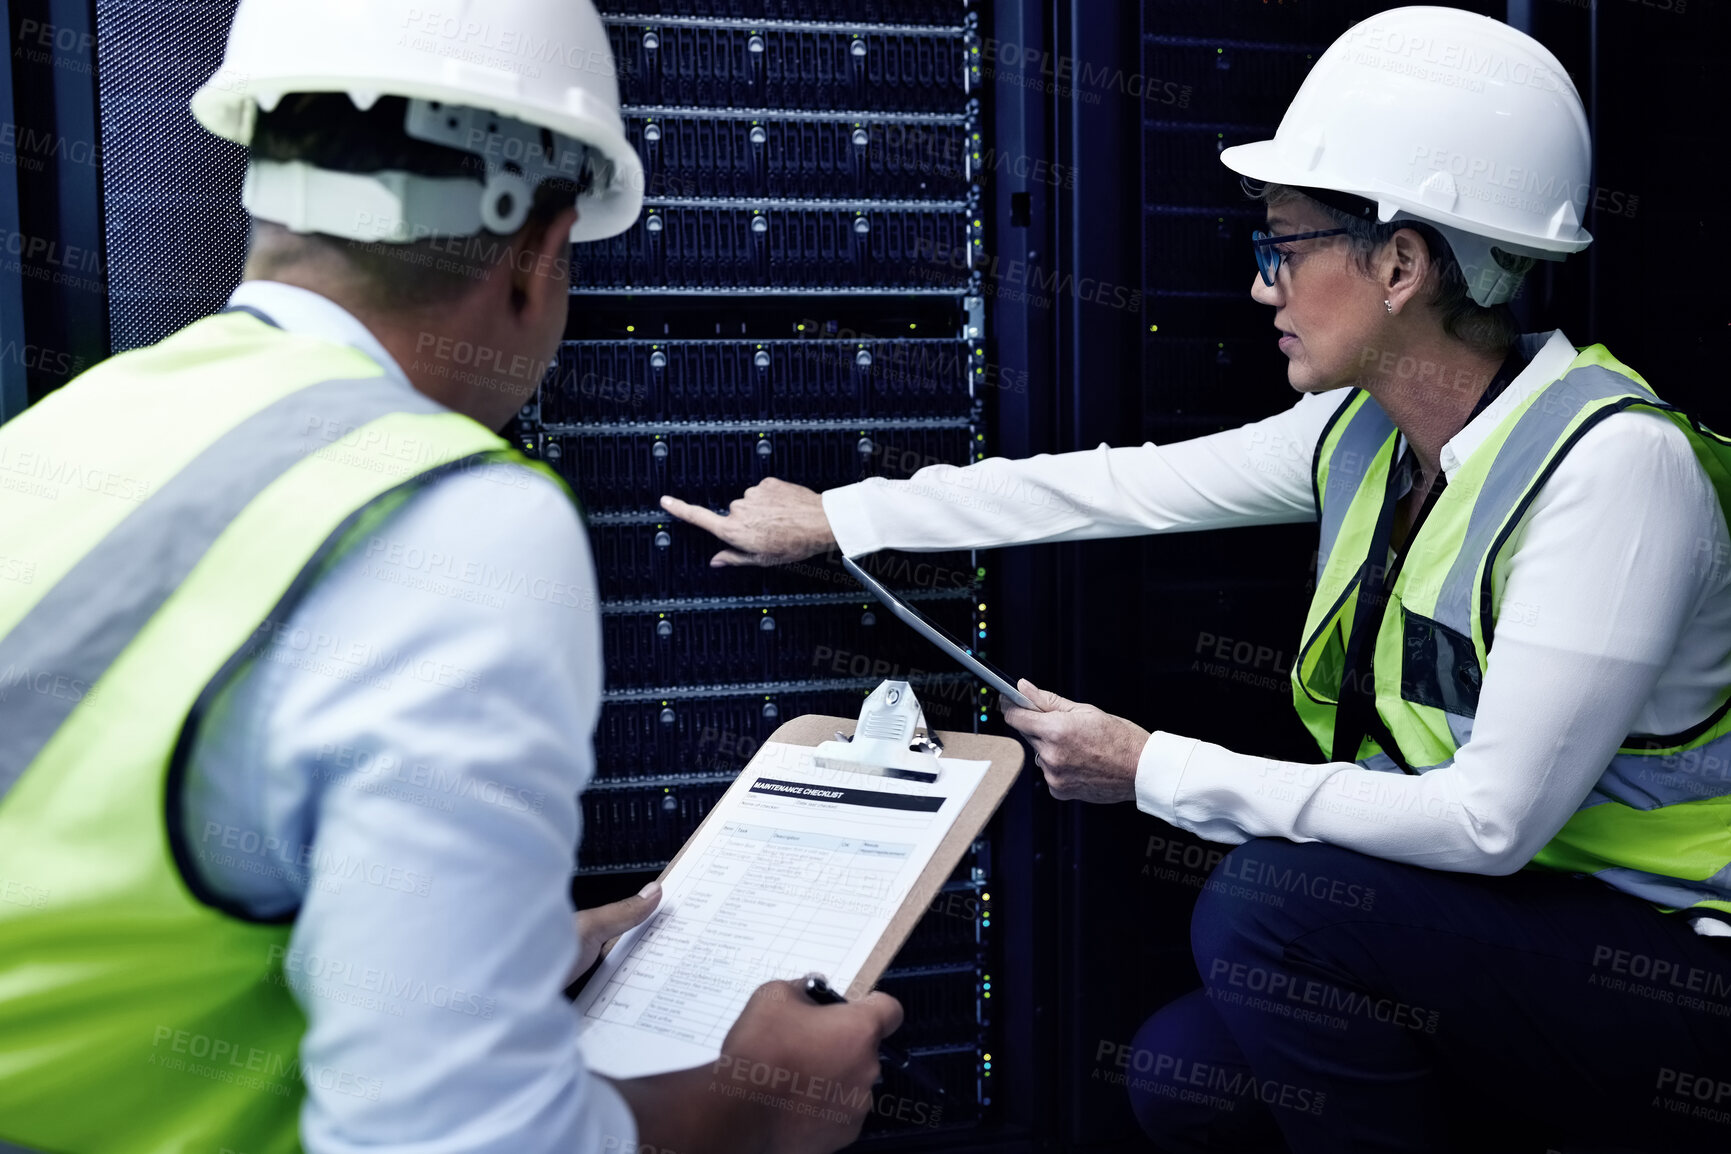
[(884, 742)]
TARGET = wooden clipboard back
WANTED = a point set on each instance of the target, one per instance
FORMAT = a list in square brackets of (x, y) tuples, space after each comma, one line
[(1006, 756)]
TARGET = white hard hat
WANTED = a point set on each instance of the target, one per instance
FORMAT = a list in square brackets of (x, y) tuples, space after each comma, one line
[(530, 64), (1451, 118)]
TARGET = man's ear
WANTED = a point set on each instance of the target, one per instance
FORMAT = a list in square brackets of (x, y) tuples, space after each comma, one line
[(541, 268)]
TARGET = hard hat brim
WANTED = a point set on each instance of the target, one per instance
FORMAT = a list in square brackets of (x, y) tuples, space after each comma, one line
[(1266, 162), (226, 107)]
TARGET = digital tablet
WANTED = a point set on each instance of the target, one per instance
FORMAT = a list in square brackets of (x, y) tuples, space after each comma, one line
[(976, 665)]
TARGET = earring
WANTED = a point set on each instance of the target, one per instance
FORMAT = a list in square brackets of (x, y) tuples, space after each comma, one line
[(1389, 305)]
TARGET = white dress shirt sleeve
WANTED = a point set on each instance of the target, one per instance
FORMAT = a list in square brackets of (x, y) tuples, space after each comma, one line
[(1258, 474), (424, 723), (1623, 547)]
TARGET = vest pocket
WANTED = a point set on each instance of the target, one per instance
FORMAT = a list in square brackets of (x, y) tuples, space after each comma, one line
[(1439, 666)]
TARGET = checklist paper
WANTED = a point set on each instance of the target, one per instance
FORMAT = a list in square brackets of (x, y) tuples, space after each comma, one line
[(798, 870)]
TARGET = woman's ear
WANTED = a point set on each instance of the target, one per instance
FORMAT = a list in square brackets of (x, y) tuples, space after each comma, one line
[(1406, 265)]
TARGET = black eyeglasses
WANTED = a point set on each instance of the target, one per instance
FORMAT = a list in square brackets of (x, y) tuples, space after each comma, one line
[(1268, 257)]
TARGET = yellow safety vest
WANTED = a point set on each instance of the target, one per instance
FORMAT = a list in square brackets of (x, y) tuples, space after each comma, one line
[(1655, 825), (161, 515)]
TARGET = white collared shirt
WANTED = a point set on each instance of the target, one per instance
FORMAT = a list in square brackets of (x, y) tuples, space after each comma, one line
[(1617, 569), (402, 765)]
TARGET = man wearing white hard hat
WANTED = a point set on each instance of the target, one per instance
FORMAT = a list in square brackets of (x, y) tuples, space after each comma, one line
[(295, 716), (1495, 915)]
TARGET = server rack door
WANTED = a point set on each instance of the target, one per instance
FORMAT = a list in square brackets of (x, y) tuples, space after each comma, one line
[(801, 299)]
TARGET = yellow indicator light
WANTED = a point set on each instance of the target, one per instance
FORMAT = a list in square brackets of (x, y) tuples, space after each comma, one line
[(912, 325), (1153, 328), (986, 898), (630, 328), (800, 327), (985, 1057), (982, 607)]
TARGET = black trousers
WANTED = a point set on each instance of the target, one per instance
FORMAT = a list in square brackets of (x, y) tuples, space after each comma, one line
[(1355, 1004)]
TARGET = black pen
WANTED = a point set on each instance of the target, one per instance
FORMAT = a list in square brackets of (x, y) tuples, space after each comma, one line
[(817, 988)]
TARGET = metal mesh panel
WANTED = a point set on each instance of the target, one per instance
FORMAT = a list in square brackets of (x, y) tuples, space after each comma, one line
[(176, 232)]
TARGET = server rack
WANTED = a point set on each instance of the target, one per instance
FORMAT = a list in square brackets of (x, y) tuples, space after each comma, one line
[(799, 300)]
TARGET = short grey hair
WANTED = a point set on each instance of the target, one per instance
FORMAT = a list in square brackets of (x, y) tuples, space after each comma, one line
[(1487, 330)]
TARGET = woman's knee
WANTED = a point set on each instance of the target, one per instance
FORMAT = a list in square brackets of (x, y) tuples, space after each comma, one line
[(1185, 1078), (1267, 892)]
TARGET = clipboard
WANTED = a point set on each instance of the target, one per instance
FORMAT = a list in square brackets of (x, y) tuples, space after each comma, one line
[(1005, 755)]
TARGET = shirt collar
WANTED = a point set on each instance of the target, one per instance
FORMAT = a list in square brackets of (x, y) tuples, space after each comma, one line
[(1549, 355), (309, 314)]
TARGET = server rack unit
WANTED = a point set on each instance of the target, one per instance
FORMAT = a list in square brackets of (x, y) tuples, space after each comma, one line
[(798, 300)]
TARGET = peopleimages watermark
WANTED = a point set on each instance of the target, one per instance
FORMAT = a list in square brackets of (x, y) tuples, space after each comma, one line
[(526, 52), (1661, 980), (234, 847), (18, 893), (370, 987), (1704, 1096), (43, 359), (375, 771), (1203, 1083), (1495, 181), (484, 366), (912, 364), (1309, 999), (834, 1101), (32, 148), (1240, 874), (1018, 280), (56, 44), (948, 153), (1065, 76), (239, 1063), (46, 682), (1451, 63), (409, 565)]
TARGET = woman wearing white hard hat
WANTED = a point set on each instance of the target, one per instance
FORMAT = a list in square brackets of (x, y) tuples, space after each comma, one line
[(1493, 916)]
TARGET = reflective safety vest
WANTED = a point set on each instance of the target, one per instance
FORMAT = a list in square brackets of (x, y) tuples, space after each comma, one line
[(160, 517), (1656, 824)]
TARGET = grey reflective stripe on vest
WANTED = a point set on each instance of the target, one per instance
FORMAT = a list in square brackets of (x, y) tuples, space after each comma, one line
[(1363, 438), (1669, 892), (1383, 763), (92, 614), (1520, 459), (1653, 780)]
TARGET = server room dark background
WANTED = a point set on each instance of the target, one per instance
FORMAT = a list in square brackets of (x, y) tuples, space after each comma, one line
[(880, 234)]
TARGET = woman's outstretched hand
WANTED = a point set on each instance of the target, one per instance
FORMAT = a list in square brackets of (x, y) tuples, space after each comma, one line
[(774, 523)]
